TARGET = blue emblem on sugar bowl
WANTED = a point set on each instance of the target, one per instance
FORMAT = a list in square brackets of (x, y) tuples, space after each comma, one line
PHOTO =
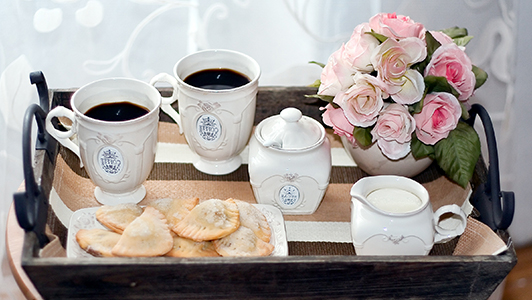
[(289, 196)]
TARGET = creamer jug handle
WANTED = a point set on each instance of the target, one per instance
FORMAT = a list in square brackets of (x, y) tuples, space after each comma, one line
[(454, 226)]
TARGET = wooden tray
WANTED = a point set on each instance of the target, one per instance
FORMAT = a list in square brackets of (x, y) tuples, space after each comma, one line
[(313, 270)]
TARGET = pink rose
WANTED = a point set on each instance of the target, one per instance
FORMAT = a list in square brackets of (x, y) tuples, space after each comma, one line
[(359, 48), (440, 115), (453, 63), (392, 60), (335, 118), (396, 26), (441, 37), (337, 74), (393, 131), (363, 101)]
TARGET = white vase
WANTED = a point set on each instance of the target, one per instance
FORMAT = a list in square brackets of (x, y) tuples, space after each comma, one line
[(372, 161)]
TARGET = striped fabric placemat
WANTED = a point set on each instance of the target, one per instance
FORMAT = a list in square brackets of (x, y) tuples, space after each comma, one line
[(326, 232)]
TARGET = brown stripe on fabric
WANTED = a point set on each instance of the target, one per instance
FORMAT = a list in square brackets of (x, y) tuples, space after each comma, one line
[(185, 171), (343, 174), (327, 248), (320, 248)]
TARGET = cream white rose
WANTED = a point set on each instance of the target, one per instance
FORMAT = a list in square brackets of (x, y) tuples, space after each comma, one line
[(392, 60), (363, 101)]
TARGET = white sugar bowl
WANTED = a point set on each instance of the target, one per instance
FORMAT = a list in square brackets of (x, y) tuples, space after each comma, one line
[(290, 162)]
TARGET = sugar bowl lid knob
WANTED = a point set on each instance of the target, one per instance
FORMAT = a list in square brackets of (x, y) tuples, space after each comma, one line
[(291, 114), (290, 130)]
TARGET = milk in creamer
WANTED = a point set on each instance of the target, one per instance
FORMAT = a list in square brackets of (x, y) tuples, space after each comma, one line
[(394, 200)]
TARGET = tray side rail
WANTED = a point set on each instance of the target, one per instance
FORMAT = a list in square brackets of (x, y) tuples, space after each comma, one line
[(319, 277)]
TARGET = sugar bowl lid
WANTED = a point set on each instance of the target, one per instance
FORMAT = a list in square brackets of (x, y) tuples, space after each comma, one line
[(290, 131)]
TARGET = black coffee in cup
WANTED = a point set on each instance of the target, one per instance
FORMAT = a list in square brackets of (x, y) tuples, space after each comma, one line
[(117, 111), (217, 79)]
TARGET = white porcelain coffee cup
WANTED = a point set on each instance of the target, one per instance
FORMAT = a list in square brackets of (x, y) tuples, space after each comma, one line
[(117, 155), (392, 215), (217, 122)]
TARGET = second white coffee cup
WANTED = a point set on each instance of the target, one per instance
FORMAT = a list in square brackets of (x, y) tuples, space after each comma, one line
[(217, 99)]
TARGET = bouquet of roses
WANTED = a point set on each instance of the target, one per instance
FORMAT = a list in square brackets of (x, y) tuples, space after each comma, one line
[(407, 89)]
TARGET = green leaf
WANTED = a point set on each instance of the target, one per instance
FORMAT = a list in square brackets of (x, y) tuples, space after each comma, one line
[(317, 63), (419, 149), (465, 112), (381, 38), (315, 84), (480, 75), (458, 154), (417, 107), (437, 84), (463, 41), (325, 98), (363, 135), (432, 45), (455, 32)]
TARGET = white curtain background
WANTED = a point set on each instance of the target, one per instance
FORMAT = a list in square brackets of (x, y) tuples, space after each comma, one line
[(77, 41)]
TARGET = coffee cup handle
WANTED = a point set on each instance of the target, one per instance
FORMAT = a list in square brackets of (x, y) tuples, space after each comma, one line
[(63, 137), (166, 104), (445, 234)]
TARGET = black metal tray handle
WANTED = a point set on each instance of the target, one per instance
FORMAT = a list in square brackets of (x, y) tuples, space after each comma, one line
[(496, 207), (31, 206)]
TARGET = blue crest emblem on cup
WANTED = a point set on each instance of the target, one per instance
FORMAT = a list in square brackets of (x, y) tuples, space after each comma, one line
[(110, 160), (208, 128)]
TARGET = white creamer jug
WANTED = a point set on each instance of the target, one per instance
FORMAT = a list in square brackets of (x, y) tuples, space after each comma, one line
[(290, 162), (392, 215)]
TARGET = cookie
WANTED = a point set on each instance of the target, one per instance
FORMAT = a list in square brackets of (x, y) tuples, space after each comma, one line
[(174, 210), (209, 220), (117, 217), (147, 235), (97, 241), (242, 242), (184, 247), (252, 218)]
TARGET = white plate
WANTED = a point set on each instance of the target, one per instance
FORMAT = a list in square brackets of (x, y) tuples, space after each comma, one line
[(85, 218)]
